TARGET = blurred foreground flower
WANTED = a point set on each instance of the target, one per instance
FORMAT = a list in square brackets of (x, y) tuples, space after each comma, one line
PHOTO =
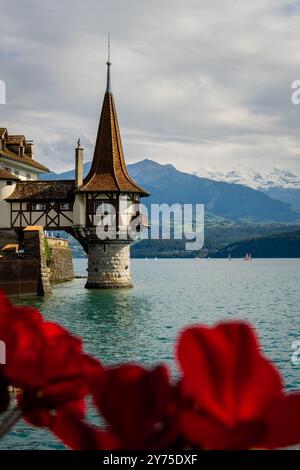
[(234, 395), (229, 396), (43, 361)]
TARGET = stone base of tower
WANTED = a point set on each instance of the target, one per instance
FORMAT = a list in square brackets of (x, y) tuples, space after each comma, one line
[(108, 265)]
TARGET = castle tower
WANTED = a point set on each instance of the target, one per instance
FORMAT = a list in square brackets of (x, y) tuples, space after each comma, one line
[(110, 199)]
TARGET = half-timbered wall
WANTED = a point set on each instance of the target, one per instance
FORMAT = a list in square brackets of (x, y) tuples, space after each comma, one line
[(50, 215), (126, 206)]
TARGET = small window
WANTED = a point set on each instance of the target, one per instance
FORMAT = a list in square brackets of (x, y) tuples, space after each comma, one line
[(9, 183), (66, 206), (39, 207), (97, 206), (103, 208), (28, 176)]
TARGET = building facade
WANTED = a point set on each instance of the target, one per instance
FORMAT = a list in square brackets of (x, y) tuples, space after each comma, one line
[(17, 157)]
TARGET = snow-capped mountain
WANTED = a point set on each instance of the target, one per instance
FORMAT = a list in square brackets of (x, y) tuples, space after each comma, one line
[(276, 178)]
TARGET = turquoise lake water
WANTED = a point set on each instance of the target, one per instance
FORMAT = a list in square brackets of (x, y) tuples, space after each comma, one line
[(141, 324)]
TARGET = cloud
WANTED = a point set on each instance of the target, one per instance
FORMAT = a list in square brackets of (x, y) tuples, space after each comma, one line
[(196, 83)]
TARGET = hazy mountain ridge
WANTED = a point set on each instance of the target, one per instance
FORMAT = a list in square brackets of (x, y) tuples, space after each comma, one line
[(289, 195), (284, 245)]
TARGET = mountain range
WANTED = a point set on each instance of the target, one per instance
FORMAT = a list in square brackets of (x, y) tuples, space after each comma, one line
[(275, 178), (278, 184), (229, 200)]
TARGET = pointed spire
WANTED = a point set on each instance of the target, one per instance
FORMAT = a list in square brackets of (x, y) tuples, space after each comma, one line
[(108, 171), (108, 63)]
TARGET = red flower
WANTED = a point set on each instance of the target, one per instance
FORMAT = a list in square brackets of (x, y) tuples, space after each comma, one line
[(139, 406), (233, 392), (43, 360), (20, 329), (68, 424), (62, 380), (230, 396), (79, 435)]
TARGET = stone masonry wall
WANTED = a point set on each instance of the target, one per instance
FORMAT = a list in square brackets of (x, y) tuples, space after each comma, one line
[(109, 265), (40, 261), (60, 260), (34, 248)]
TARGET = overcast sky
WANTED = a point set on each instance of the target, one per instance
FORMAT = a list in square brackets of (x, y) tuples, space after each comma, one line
[(197, 83)]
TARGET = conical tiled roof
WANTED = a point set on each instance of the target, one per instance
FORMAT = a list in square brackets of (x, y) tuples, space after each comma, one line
[(108, 171)]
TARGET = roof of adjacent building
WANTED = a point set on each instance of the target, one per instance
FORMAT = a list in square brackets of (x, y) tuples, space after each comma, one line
[(7, 175), (108, 171), (42, 191), (33, 228), (11, 247), (8, 150), (25, 160), (15, 139)]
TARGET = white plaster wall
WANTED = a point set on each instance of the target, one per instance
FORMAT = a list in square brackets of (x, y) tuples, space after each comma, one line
[(79, 210), (5, 191), (23, 171)]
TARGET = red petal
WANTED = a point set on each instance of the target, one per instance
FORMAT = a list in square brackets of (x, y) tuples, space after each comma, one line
[(79, 435), (43, 417), (283, 421), (207, 434), (133, 400), (225, 372), (93, 372)]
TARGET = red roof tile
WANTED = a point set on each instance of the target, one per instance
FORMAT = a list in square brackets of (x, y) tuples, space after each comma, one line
[(62, 190)]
